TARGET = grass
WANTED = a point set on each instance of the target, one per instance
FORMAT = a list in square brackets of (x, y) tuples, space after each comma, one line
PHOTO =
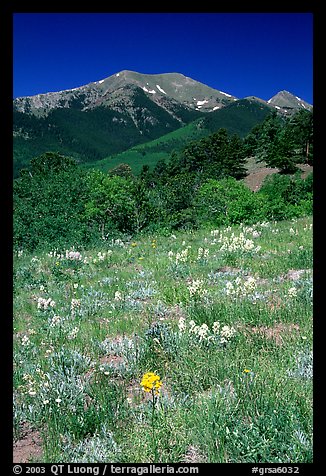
[(237, 391)]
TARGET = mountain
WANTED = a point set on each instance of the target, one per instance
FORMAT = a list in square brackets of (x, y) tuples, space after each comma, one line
[(114, 114), (163, 89), (288, 103)]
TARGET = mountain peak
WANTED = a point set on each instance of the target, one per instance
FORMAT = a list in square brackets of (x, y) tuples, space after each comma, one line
[(288, 102)]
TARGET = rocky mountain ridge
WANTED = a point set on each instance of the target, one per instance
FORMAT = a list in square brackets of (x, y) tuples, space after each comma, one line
[(166, 90)]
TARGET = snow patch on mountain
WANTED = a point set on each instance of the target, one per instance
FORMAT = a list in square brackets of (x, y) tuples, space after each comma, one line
[(200, 103), (226, 94), (151, 91), (160, 89)]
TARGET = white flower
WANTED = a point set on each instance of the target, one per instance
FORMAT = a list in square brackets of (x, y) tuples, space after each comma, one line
[(73, 255), (117, 296), (229, 288), (58, 400), (75, 285), (25, 341), (227, 332), (73, 334), (74, 304), (292, 292), (182, 324), (55, 321), (45, 303)]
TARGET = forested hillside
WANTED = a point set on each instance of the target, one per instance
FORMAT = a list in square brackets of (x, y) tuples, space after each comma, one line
[(58, 202)]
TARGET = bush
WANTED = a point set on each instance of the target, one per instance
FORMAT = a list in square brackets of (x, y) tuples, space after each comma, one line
[(227, 201), (287, 196), (111, 203), (49, 204)]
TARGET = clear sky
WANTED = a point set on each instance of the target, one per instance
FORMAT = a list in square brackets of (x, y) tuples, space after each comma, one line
[(242, 54)]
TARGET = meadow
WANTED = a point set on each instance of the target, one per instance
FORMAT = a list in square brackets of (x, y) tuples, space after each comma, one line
[(191, 347)]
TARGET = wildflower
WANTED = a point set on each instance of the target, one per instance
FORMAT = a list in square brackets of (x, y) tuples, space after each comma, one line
[(117, 296), (203, 331), (229, 288), (196, 288), (248, 377), (133, 244), (182, 256), (75, 303), (292, 292), (101, 256), (25, 341), (58, 400), (202, 253), (73, 334), (75, 285), (45, 402), (182, 324), (227, 332), (73, 255), (45, 303), (151, 382), (250, 284), (32, 393), (56, 320)]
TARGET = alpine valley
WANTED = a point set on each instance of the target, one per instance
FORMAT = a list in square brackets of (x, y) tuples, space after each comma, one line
[(133, 118)]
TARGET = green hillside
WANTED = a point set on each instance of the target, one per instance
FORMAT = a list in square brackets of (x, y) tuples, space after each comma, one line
[(238, 118)]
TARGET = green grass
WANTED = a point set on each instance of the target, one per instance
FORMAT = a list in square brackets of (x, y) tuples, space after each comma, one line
[(240, 394)]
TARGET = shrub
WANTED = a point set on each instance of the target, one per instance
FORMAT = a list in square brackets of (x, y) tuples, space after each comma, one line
[(227, 201)]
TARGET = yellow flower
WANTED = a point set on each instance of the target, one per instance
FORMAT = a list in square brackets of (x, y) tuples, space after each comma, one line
[(247, 371), (151, 382), (133, 244)]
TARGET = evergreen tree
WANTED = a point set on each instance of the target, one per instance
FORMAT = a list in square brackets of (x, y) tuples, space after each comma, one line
[(216, 156), (301, 126)]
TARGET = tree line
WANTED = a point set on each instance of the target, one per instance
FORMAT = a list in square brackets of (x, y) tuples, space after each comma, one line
[(58, 204)]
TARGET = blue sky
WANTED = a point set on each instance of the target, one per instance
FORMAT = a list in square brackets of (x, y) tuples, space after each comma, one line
[(242, 54)]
